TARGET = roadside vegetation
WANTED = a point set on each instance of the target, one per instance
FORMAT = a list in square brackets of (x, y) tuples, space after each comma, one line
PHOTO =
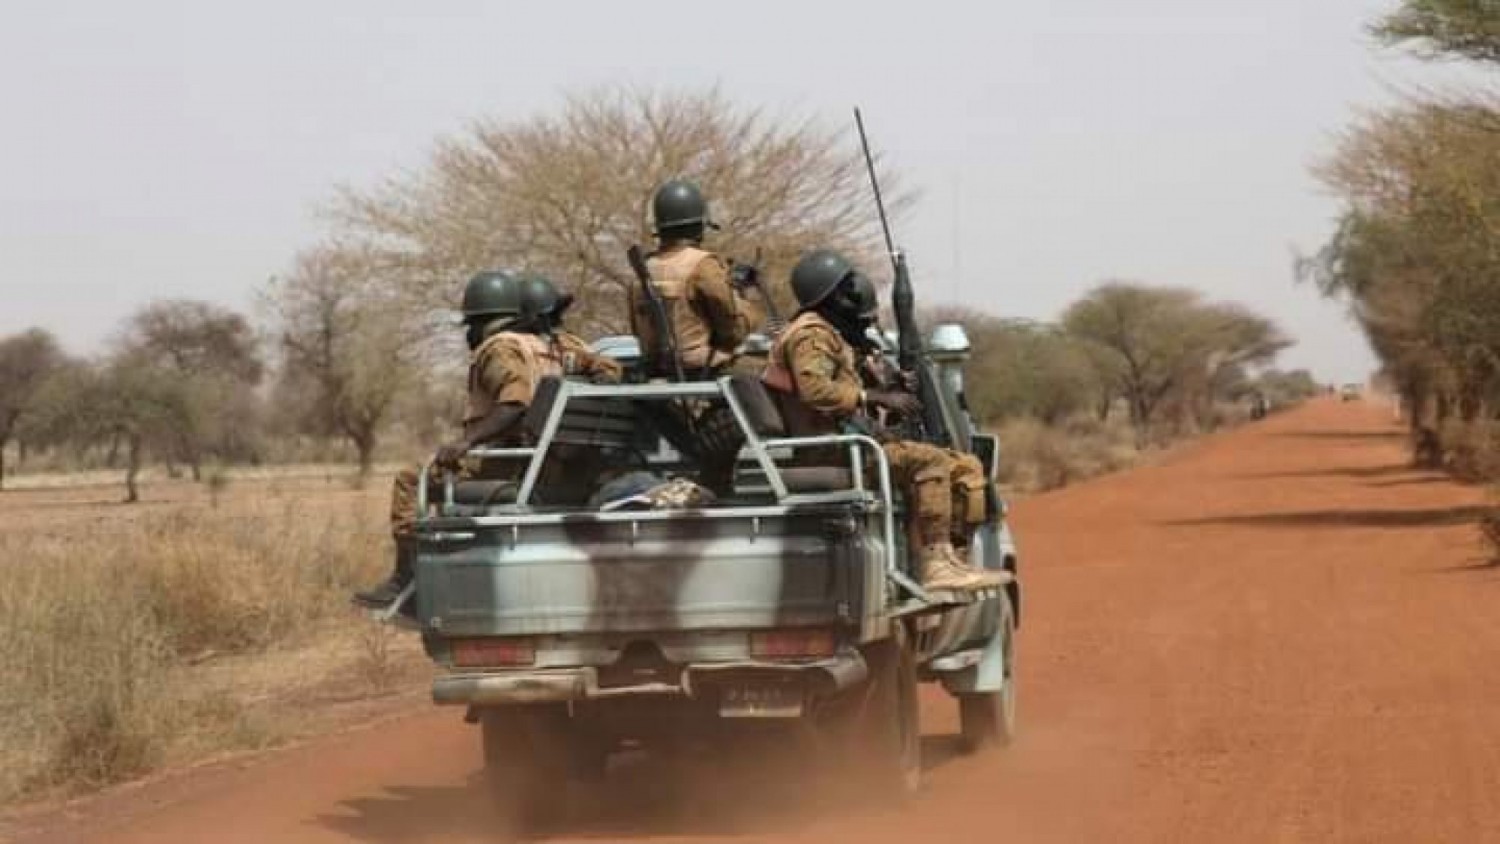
[(1417, 251), (136, 638)]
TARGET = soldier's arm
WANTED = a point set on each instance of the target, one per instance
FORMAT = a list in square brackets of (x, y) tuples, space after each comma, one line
[(502, 373), (814, 361), (721, 304), (591, 364)]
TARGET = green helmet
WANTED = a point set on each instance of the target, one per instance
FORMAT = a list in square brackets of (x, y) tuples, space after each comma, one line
[(679, 208), (493, 294), (864, 293), (817, 275), (541, 298)]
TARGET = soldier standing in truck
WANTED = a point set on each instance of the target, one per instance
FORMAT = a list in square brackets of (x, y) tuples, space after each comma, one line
[(814, 370), (704, 310), (511, 328)]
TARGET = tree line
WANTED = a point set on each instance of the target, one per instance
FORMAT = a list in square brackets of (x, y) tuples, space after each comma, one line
[(355, 339), (1416, 253)]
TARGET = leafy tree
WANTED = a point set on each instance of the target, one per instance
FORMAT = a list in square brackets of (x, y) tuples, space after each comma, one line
[(1417, 254), (1467, 29), (27, 360), (1025, 369), (1158, 343)]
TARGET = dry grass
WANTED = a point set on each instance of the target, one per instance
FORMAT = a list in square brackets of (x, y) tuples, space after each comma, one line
[(1035, 457), (194, 624)]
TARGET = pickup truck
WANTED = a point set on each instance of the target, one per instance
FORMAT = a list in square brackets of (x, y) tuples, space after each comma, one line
[(571, 630)]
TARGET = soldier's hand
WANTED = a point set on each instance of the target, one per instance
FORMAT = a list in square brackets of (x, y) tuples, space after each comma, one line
[(449, 456), (744, 276), (901, 404)]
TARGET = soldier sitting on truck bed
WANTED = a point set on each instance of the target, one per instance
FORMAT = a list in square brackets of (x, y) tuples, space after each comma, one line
[(511, 327), (814, 372), (878, 372)]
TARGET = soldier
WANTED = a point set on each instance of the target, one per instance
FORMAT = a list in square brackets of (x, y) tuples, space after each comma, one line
[(815, 363), (703, 307), (709, 321), (970, 483), (511, 327)]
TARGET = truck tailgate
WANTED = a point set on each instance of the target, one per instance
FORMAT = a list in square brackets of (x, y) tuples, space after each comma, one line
[(587, 574)]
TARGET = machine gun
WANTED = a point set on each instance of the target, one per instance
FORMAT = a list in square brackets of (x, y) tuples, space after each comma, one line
[(933, 426), (666, 336)]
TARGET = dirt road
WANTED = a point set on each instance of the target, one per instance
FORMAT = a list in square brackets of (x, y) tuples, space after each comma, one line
[(1281, 634)]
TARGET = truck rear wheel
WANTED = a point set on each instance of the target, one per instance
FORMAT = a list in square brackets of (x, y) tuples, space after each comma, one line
[(886, 734), (988, 719), (527, 760)]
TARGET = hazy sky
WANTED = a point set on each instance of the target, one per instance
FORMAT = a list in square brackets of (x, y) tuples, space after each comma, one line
[(160, 149)]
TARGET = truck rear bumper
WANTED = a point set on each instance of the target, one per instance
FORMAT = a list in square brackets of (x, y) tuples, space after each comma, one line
[(829, 676)]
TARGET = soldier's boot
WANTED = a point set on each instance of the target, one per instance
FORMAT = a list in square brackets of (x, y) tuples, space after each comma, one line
[(942, 569), (986, 578), (382, 596)]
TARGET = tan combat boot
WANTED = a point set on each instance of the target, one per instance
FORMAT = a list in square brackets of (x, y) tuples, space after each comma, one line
[(985, 578), (942, 569)]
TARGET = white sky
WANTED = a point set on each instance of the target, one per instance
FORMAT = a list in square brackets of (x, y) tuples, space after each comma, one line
[(157, 149)]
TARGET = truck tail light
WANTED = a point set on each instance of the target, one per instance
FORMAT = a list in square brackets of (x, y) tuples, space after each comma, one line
[(787, 644), (493, 652)]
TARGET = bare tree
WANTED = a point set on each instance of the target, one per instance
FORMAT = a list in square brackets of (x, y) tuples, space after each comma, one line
[(27, 360), (344, 338), (566, 193), (124, 399), (211, 355)]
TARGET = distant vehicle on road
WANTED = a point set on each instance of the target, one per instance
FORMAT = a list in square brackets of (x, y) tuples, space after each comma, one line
[(1351, 392)]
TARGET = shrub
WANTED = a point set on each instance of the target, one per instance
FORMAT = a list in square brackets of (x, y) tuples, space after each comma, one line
[(1035, 457), (1471, 451)]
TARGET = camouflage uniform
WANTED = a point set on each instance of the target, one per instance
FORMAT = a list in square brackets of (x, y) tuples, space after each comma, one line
[(706, 313), (970, 483), (505, 369), (813, 363)]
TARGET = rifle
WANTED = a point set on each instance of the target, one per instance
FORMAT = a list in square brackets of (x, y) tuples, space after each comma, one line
[(666, 335), (743, 276), (910, 354)]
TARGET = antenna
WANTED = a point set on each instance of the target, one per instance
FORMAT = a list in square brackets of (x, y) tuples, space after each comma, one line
[(885, 224)]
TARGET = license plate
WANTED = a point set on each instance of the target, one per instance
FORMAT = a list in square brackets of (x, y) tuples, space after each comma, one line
[(760, 700)]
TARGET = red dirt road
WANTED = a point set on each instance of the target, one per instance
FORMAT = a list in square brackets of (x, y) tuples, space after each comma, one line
[(1281, 634)]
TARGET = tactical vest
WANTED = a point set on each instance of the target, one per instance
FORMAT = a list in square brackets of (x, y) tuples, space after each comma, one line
[(669, 275), (801, 420), (540, 360)]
